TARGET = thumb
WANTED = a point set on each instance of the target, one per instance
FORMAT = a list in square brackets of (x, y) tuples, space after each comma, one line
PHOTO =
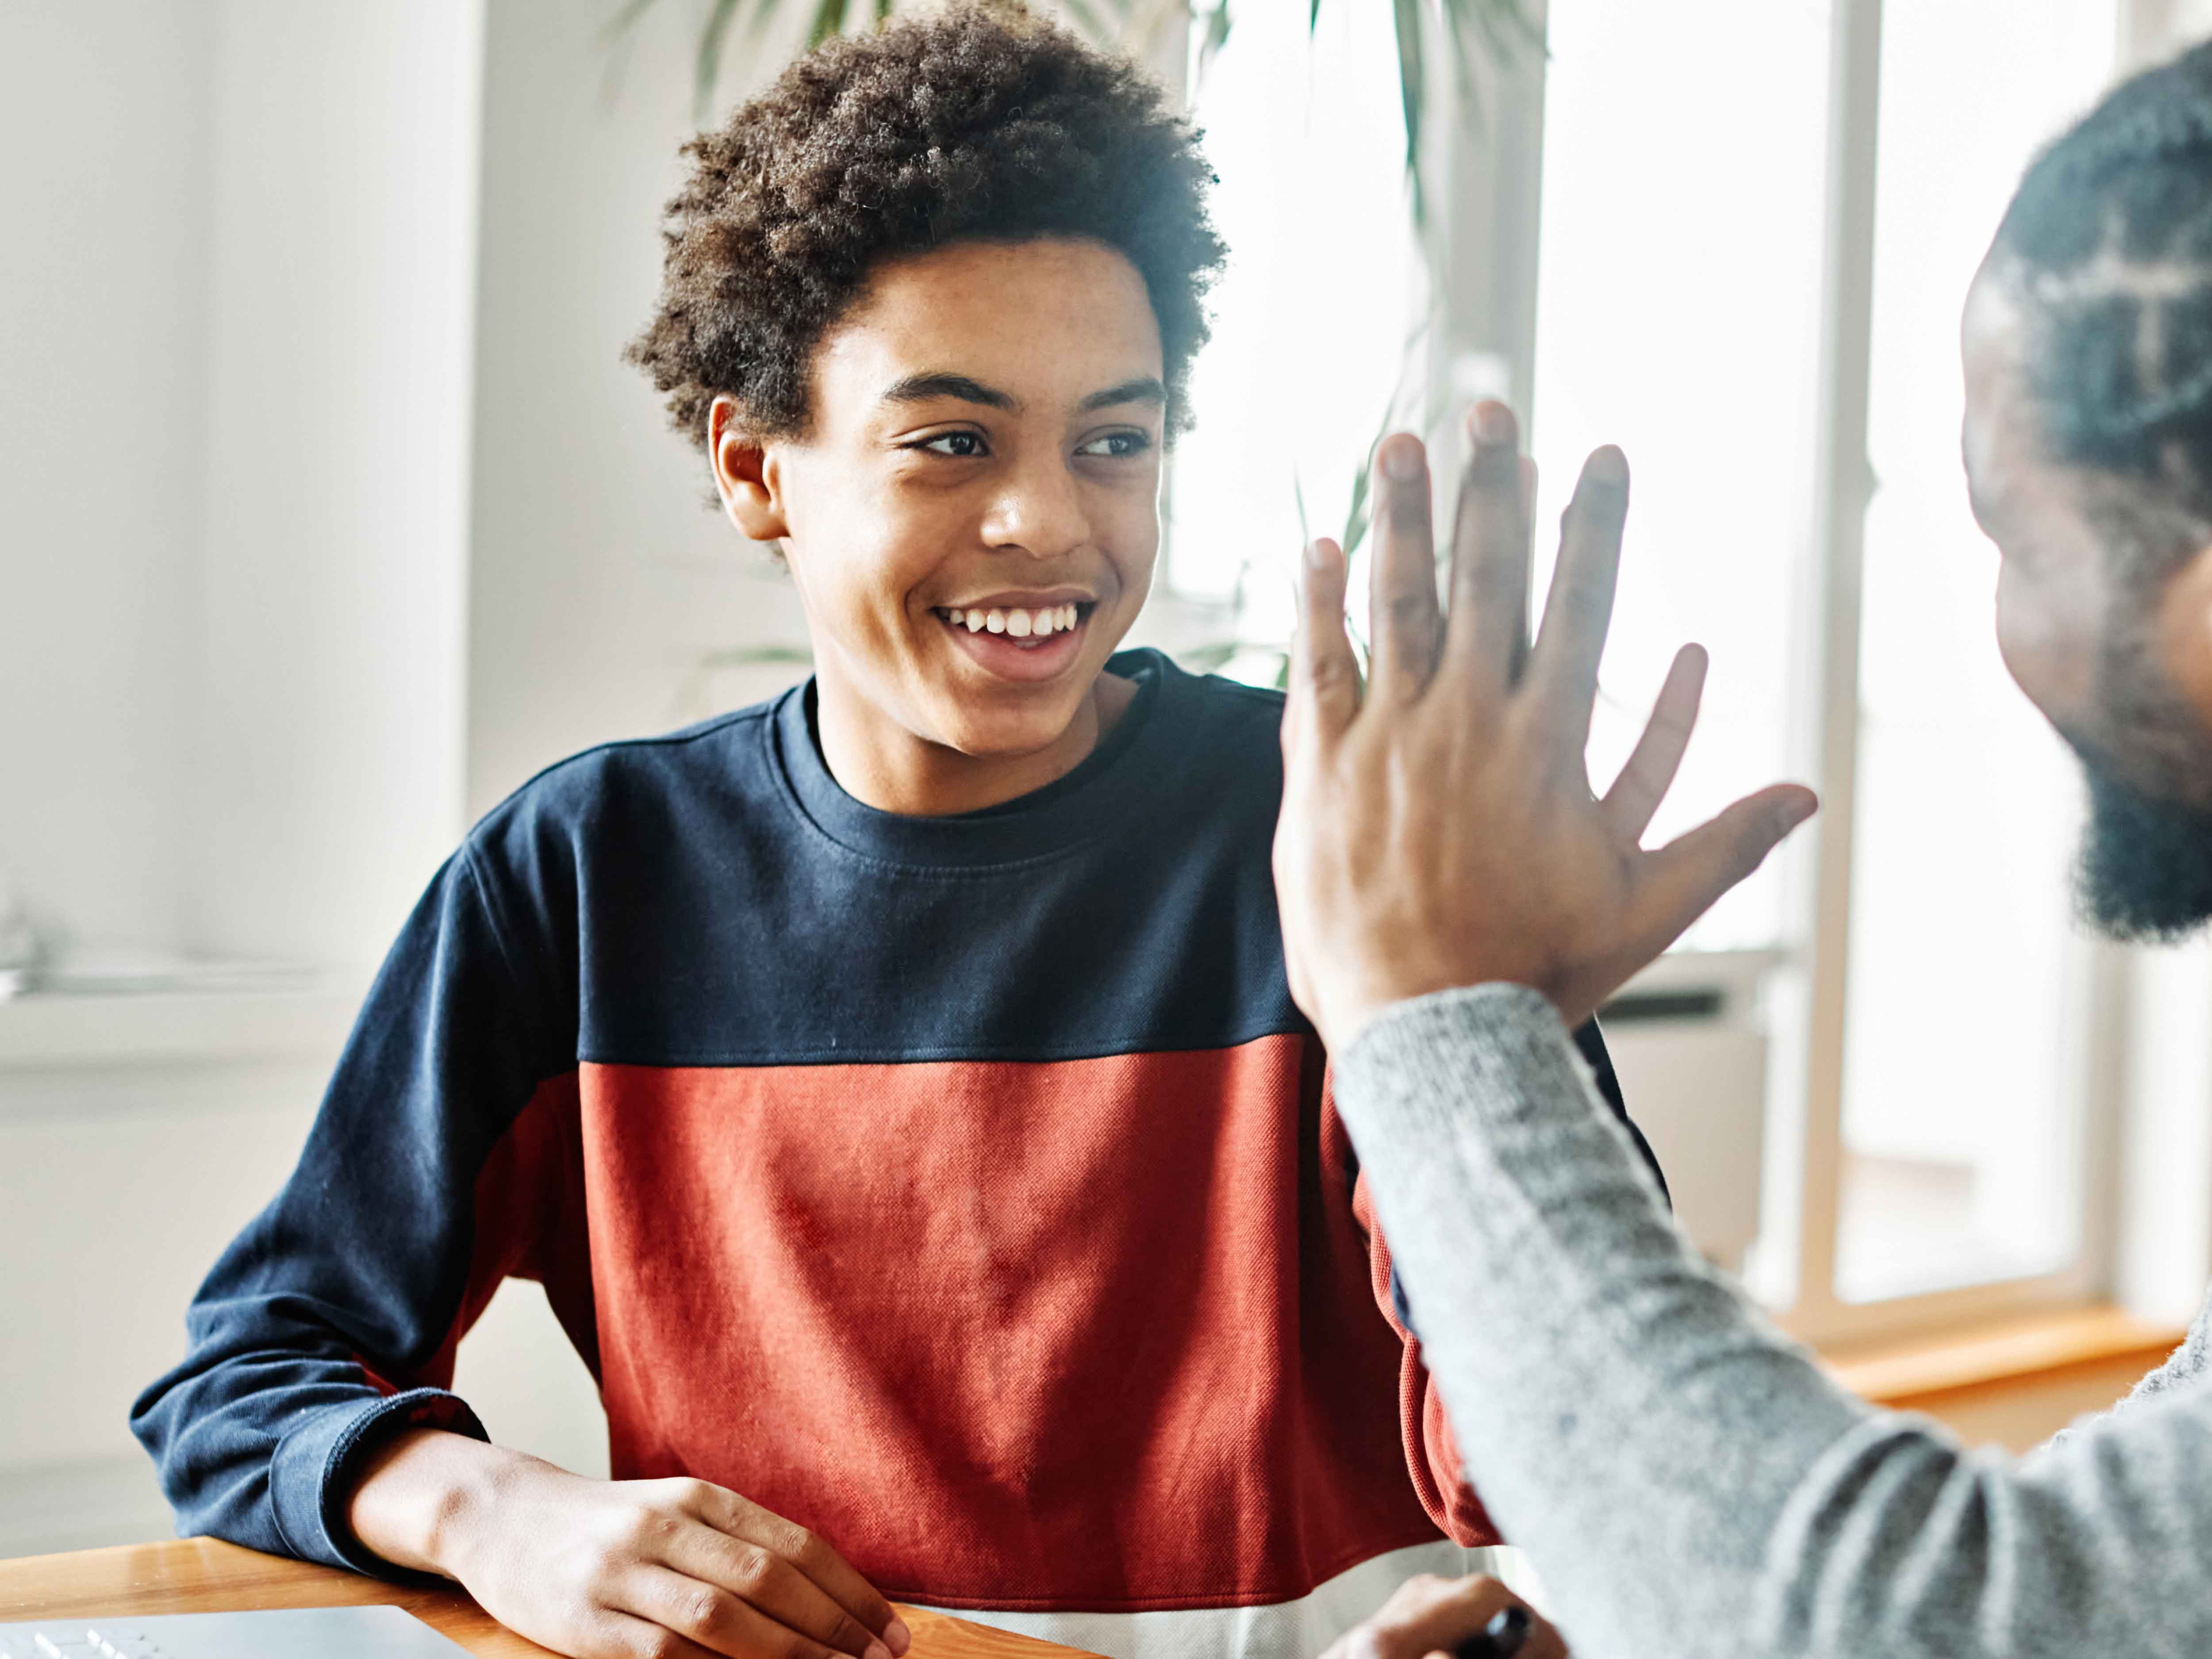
[(1695, 868)]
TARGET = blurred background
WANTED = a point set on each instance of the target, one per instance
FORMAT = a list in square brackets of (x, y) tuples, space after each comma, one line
[(331, 514)]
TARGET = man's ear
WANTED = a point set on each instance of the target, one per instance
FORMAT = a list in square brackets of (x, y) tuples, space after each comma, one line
[(745, 475), (2184, 632)]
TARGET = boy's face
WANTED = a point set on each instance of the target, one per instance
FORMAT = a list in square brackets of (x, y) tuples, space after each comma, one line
[(985, 445)]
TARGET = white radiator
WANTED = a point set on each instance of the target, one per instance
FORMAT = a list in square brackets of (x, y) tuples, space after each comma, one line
[(1688, 1041)]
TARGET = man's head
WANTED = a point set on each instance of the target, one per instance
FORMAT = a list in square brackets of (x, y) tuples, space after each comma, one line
[(930, 305), (2088, 449)]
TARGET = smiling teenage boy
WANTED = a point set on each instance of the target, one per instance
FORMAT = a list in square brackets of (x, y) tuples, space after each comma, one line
[(895, 1085)]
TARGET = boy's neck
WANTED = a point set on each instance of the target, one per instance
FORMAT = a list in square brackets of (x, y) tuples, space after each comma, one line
[(882, 764)]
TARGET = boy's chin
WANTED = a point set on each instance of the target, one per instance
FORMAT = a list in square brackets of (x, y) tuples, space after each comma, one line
[(1012, 734)]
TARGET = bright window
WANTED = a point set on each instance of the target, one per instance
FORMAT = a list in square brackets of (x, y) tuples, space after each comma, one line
[(1962, 1070), (1678, 315), (1698, 304), (1312, 317)]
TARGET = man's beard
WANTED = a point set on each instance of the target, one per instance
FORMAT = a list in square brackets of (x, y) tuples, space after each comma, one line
[(2146, 866), (2145, 870)]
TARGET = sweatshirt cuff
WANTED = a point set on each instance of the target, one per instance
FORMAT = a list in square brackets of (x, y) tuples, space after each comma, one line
[(1496, 1053), (311, 1473)]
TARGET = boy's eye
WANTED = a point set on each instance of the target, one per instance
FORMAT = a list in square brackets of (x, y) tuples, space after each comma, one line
[(954, 443), (1118, 443)]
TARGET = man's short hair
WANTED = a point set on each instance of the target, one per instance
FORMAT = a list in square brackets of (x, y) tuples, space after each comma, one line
[(967, 125), (2108, 243)]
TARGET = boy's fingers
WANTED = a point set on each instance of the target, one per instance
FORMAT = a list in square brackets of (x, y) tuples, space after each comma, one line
[(1324, 693), (1406, 627), (1578, 610), (1650, 774), (776, 1586), (1487, 630), (713, 1620), (810, 1554), (615, 1635), (1693, 871)]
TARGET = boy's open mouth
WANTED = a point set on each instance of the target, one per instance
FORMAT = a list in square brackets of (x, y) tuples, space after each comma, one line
[(1031, 628), (1030, 643)]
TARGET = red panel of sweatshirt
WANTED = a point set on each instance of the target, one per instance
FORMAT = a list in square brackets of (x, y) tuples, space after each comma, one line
[(1095, 1333)]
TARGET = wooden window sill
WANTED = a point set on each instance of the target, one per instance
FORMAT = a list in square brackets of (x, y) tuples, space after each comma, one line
[(2013, 1382)]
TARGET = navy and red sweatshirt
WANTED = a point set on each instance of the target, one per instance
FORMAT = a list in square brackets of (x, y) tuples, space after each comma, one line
[(966, 1189)]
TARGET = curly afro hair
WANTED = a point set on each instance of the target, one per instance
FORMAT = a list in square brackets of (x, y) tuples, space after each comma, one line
[(971, 124)]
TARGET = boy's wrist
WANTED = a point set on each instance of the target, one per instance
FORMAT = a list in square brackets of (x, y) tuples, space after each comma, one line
[(424, 1500)]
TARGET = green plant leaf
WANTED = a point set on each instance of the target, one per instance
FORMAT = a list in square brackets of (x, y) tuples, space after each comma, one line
[(707, 69), (1413, 96), (1215, 37), (625, 19), (1092, 21), (1355, 517), (828, 19), (1210, 658), (1458, 21)]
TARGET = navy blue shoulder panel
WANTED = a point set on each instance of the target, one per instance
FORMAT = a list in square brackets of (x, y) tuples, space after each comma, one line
[(710, 898)]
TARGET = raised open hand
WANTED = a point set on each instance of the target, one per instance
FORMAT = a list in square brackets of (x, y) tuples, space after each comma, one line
[(1440, 830)]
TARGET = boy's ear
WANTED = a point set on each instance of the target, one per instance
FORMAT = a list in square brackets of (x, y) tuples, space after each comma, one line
[(745, 476)]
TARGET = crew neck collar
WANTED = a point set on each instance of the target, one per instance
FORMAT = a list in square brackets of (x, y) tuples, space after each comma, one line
[(1119, 774)]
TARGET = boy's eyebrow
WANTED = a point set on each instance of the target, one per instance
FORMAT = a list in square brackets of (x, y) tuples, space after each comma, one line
[(921, 388), (1144, 389)]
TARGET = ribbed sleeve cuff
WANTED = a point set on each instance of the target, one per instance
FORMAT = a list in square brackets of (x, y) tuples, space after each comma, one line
[(1432, 1061), (313, 1472)]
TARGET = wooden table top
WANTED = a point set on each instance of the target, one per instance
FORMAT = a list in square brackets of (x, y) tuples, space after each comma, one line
[(199, 1575)]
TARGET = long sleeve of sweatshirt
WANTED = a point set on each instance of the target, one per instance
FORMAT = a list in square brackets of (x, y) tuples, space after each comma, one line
[(330, 1322), (1686, 1480)]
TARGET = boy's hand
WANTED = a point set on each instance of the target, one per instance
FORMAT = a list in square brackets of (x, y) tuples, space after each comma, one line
[(1429, 1615), (620, 1569), (1440, 830)]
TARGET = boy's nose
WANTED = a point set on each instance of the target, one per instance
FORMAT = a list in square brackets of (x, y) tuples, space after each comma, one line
[(1040, 513)]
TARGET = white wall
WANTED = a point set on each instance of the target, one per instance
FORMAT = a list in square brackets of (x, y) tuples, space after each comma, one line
[(105, 123), (236, 290), (235, 298), (599, 578), (135, 1141), (328, 783)]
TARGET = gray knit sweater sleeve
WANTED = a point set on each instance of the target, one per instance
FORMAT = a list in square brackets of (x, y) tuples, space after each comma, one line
[(1684, 1480)]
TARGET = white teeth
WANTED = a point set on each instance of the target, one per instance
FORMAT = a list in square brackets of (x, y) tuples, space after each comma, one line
[(1018, 624)]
